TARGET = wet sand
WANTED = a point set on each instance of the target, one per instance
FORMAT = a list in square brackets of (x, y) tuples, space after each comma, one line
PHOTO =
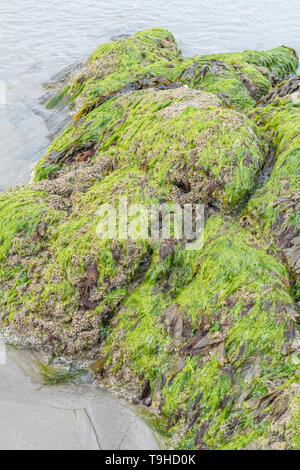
[(63, 417)]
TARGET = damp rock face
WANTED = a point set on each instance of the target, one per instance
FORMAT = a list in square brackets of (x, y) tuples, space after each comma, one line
[(209, 336)]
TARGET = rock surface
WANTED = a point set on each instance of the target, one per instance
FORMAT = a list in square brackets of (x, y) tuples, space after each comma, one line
[(210, 334)]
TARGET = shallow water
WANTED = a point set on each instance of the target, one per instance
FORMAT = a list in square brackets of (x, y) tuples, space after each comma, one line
[(38, 38), (81, 416)]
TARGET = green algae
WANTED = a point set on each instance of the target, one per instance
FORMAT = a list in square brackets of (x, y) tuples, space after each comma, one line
[(44, 172), (258, 334), (20, 214), (274, 209), (198, 129), (113, 65), (239, 78), (213, 330), (57, 99), (54, 375), (248, 75)]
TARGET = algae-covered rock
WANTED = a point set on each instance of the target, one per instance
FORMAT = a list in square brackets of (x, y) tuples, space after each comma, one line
[(114, 65), (119, 67), (231, 318), (274, 209), (210, 333), (188, 144)]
